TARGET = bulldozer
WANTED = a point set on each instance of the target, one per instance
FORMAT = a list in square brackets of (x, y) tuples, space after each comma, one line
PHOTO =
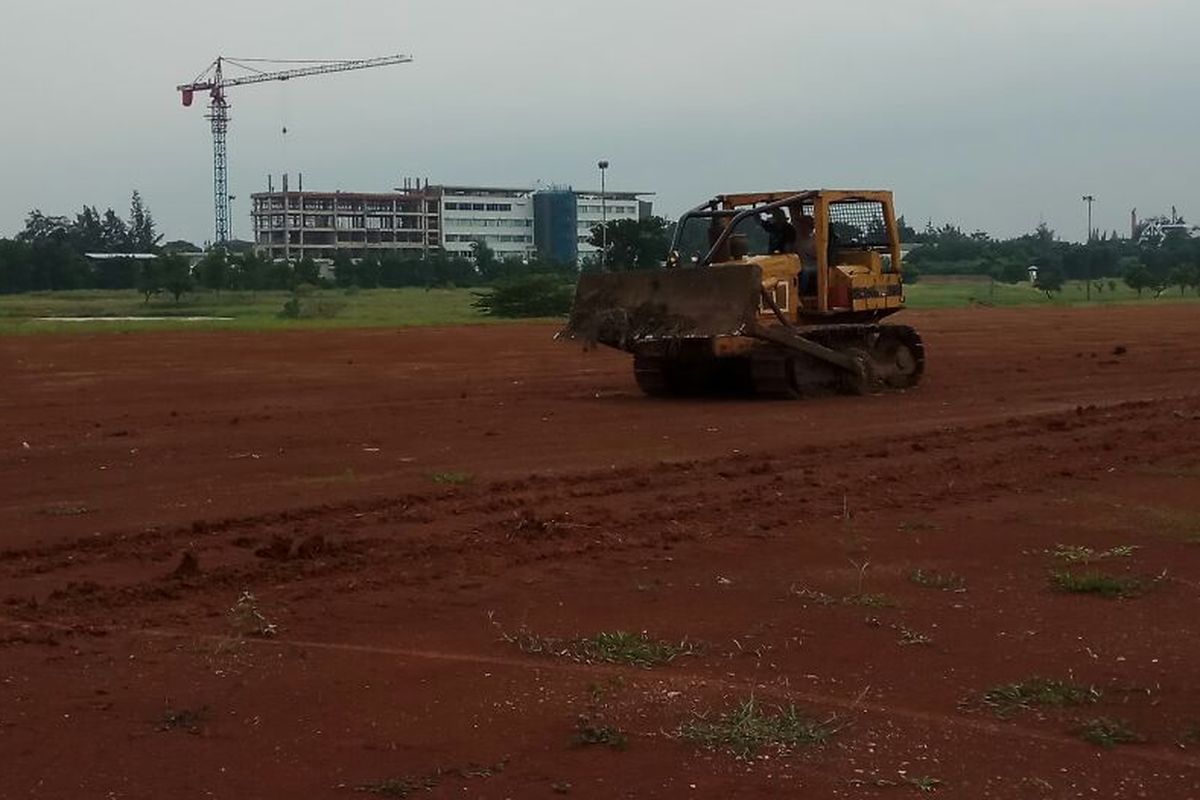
[(775, 294)]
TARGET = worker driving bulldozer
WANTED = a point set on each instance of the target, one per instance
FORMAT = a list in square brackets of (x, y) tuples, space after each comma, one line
[(781, 295)]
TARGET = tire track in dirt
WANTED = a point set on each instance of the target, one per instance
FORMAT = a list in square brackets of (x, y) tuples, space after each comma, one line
[(543, 517)]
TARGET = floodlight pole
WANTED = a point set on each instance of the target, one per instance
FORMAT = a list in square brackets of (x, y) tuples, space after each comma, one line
[(1089, 199), (603, 165)]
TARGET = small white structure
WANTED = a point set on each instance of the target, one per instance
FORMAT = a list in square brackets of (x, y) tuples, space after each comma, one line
[(1032, 269)]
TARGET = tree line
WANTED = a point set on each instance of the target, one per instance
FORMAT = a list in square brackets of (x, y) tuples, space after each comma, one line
[(48, 254), (1145, 264)]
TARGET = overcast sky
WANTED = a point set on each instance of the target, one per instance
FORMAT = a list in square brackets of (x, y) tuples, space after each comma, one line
[(991, 115)]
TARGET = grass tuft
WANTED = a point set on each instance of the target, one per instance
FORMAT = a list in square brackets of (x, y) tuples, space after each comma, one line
[(247, 620), (185, 719), (1107, 586), (1106, 732), (1012, 697), (747, 728)]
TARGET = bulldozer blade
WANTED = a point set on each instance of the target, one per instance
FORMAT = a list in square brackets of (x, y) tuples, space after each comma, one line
[(619, 309)]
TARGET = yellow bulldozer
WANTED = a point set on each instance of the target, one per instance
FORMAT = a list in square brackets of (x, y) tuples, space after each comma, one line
[(773, 293)]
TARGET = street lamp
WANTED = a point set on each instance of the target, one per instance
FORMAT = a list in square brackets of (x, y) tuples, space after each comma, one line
[(1089, 199), (603, 165)]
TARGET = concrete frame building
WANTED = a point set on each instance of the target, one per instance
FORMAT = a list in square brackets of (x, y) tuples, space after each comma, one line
[(418, 218)]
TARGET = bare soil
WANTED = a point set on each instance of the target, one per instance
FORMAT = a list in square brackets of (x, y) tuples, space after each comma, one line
[(399, 504)]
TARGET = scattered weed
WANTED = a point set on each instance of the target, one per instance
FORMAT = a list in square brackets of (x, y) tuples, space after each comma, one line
[(1107, 732), (1191, 735), (916, 526), (1012, 697), (947, 581), (1107, 586), (747, 728), (867, 599), (453, 478), (247, 620), (813, 596), (1078, 554)]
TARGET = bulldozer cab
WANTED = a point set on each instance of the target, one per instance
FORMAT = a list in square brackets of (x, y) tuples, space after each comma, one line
[(841, 245)]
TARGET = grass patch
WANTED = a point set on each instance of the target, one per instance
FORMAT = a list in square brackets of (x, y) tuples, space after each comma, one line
[(931, 579), (1038, 692), (1106, 732), (452, 478), (1078, 554), (592, 733), (617, 647), (1098, 583), (868, 600), (250, 310), (924, 783), (747, 728)]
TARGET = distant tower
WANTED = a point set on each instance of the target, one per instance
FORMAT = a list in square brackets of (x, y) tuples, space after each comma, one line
[(1133, 224)]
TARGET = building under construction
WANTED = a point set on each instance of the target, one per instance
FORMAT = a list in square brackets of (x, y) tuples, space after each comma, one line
[(553, 223)]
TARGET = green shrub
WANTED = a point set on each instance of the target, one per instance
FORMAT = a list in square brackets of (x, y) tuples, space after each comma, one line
[(528, 296)]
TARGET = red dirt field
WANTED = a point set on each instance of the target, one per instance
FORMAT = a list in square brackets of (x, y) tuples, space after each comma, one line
[(403, 505)]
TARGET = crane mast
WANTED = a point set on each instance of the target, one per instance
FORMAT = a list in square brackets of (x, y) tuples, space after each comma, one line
[(214, 81)]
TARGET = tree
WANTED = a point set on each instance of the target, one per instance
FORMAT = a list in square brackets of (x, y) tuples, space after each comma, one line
[(1184, 276), (1138, 278), (213, 272), (307, 271), (249, 271), (486, 263), (114, 233), (367, 272), (16, 268), (1049, 280), (344, 274), (87, 232), (149, 278), (141, 235), (42, 228), (633, 244), (175, 273)]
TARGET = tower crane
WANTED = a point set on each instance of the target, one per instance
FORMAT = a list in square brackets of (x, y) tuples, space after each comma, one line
[(214, 81)]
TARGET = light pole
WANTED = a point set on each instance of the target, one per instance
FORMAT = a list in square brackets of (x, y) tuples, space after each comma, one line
[(1089, 199), (603, 165)]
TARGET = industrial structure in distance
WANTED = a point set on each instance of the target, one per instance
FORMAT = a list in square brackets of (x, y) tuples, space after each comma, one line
[(553, 223)]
